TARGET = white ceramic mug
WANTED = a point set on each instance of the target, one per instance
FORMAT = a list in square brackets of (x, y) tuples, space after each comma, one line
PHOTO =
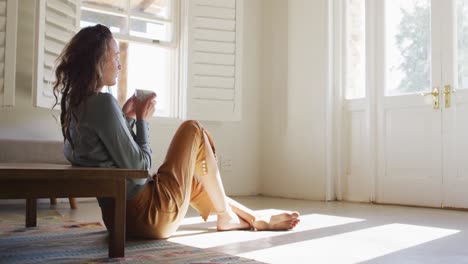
[(142, 94)]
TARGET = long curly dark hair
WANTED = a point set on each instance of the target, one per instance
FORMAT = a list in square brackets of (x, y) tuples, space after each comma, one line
[(79, 72)]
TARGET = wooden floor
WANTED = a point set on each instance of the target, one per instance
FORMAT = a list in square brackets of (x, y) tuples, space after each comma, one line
[(333, 232)]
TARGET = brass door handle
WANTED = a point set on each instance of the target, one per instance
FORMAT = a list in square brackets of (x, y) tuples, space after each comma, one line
[(435, 98), (447, 95)]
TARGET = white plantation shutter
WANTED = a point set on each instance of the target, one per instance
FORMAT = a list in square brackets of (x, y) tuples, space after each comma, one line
[(56, 23), (213, 46), (8, 26)]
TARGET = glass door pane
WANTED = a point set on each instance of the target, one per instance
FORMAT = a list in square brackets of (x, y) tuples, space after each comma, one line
[(355, 86), (408, 46), (462, 43)]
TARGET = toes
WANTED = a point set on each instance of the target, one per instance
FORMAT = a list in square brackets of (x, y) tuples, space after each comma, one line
[(289, 216), (294, 223)]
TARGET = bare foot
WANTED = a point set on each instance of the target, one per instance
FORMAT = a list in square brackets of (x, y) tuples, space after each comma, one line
[(283, 221), (228, 220)]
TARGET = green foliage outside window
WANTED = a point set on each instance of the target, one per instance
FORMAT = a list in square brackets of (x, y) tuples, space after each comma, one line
[(413, 43)]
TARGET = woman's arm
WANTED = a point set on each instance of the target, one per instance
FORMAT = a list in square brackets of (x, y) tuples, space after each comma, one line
[(125, 150), (131, 124)]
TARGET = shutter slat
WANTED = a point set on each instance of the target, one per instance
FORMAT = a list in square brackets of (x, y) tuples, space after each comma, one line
[(211, 23), (48, 76), (210, 58), (214, 94), (214, 70), (49, 60), (60, 21), (56, 34), (47, 93), (61, 7), (215, 12), (215, 82), (53, 46), (217, 3), (214, 35), (214, 47)]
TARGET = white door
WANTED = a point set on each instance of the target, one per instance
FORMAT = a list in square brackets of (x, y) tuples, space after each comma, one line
[(455, 110), (421, 137)]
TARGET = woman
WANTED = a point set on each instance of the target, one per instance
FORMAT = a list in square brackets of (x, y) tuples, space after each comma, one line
[(97, 133)]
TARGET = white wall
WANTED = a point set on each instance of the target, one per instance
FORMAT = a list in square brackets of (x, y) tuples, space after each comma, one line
[(294, 75), (237, 140)]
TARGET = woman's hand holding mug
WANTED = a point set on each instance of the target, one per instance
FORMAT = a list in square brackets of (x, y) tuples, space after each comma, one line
[(145, 104)]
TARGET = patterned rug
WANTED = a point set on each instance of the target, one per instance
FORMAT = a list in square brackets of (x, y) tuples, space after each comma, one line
[(59, 241)]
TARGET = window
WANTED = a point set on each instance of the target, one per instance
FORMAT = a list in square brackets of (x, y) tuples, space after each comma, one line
[(188, 51), (462, 44), (408, 46), (355, 72), (145, 31), (406, 41)]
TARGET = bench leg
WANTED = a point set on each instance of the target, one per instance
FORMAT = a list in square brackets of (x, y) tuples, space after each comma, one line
[(73, 204), (31, 212), (117, 233)]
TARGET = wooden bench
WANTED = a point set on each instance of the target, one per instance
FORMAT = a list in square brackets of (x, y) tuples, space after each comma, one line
[(33, 181), (34, 151)]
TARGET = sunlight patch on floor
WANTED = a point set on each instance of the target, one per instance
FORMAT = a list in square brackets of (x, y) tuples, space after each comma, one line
[(352, 247), (210, 238)]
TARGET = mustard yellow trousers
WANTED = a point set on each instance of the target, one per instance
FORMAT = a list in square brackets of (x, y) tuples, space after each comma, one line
[(157, 210)]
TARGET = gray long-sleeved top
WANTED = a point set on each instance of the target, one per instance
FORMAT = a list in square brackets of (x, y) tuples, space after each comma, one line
[(104, 137)]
